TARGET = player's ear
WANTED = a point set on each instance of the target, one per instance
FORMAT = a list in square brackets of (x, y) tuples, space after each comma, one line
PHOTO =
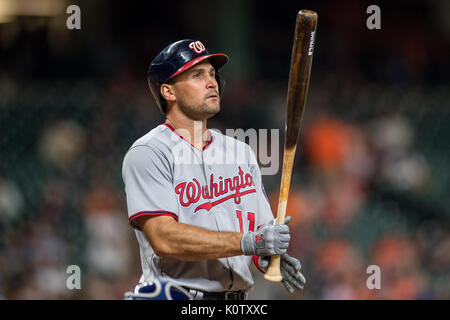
[(167, 92)]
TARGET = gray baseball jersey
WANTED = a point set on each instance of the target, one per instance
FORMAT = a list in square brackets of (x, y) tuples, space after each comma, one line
[(218, 188)]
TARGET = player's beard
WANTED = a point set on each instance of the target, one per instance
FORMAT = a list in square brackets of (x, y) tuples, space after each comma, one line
[(204, 110)]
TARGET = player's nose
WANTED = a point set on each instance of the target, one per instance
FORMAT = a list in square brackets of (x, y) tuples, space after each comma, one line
[(211, 82)]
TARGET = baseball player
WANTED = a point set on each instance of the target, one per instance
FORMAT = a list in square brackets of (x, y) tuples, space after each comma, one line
[(200, 218)]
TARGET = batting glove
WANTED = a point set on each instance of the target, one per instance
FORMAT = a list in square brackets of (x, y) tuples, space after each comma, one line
[(268, 240), (290, 271)]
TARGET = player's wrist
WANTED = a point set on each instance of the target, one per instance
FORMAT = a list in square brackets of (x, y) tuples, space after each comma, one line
[(247, 245)]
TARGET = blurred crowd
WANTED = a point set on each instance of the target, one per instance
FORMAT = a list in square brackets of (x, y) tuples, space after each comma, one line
[(343, 224), (370, 181), (352, 202)]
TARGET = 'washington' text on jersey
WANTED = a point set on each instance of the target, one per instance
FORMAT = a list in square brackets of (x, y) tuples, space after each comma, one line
[(190, 193)]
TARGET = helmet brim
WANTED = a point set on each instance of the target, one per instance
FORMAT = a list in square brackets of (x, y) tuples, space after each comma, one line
[(217, 60)]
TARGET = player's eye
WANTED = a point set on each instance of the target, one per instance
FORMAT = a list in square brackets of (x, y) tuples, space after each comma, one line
[(196, 75)]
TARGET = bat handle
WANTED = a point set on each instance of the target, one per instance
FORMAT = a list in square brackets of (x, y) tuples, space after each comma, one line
[(273, 272)]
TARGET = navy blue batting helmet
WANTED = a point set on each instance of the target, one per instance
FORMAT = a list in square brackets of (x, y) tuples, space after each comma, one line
[(176, 58)]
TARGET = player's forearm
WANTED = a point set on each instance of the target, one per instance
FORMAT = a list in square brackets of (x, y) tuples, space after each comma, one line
[(191, 243)]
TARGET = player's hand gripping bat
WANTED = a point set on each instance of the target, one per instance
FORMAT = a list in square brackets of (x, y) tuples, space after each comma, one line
[(301, 60)]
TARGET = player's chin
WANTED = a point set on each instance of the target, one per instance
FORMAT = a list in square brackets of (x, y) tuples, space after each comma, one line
[(212, 106)]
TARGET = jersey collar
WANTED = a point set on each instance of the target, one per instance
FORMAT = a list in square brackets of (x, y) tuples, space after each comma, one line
[(168, 125)]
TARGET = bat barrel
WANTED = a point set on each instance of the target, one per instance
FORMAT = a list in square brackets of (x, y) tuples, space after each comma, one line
[(301, 61)]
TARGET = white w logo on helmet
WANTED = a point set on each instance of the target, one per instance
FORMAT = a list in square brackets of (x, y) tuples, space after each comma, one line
[(197, 46)]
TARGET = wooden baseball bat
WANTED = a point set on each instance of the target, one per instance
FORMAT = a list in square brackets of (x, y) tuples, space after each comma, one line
[(301, 60)]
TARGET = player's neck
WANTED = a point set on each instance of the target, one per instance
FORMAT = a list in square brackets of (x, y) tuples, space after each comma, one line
[(195, 132)]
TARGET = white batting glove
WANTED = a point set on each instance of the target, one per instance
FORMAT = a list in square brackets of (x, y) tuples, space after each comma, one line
[(268, 240)]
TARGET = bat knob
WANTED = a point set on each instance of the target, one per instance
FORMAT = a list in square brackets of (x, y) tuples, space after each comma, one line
[(273, 273), (273, 278)]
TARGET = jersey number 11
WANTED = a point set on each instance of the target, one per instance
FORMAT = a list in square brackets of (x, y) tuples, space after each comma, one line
[(251, 221)]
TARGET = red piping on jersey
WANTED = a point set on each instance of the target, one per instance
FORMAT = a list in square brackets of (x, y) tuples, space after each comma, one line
[(209, 142), (204, 147), (255, 261), (255, 258), (150, 213)]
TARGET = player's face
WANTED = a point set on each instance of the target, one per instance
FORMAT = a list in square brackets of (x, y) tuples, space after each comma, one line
[(197, 92)]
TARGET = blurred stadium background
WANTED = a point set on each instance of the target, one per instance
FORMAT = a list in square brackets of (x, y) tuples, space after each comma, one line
[(371, 180)]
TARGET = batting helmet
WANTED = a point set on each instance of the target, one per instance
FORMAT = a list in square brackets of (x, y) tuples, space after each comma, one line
[(176, 58)]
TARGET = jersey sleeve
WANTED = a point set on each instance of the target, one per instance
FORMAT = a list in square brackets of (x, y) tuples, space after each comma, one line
[(147, 176)]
